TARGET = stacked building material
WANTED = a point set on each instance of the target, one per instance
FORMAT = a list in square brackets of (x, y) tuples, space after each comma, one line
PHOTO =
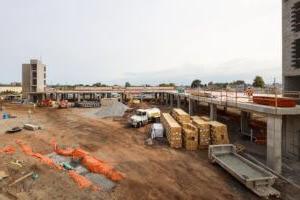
[(181, 116), (219, 134), (205, 118), (203, 131), (195, 117), (173, 130), (190, 136)]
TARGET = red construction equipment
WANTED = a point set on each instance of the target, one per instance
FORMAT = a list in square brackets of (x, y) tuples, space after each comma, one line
[(63, 104), (45, 103)]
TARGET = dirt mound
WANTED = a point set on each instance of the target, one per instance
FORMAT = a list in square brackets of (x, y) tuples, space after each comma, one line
[(115, 109)]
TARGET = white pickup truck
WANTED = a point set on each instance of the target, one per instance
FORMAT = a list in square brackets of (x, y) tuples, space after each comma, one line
[(143, 116)]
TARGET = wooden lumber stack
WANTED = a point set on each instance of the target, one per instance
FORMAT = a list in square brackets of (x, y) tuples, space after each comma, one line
[(190, 136), (173, 130), (219, 134), (203, 131), (181, 116), (195, 117), (205, 118)]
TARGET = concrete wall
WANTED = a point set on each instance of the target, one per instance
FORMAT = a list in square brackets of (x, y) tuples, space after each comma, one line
[(26, 77), (291, 137), (40, 78), (288, 38)]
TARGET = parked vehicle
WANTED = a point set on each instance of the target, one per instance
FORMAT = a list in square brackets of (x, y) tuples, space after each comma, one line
[(143, 116)]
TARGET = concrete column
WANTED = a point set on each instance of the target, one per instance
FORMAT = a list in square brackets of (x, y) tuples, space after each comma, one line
[(190, 101), (213, 111), (245, 120), (100, 97), (178, 101), (171, 100), (274, 142), (78, 97)]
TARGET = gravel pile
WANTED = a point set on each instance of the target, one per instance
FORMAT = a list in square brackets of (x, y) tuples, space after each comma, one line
[(116, 109), (100, 180)]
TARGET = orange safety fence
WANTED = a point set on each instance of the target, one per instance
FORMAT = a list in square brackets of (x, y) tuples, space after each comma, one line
[(91, 163), (8, 149), (98, 166), (81, 181), (44, 159)]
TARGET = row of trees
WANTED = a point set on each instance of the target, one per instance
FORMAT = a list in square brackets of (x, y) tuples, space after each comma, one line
[(257, 82)]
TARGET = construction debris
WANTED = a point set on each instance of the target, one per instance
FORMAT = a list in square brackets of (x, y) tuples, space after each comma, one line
[(14, 130), (3, 175), (100, 181), (21, 179), (149, 141), (173, 130), (8, 149), (88, 104), (17, 163), (31, 127)]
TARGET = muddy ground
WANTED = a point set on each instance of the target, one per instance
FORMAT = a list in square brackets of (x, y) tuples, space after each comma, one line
[(151, 172)]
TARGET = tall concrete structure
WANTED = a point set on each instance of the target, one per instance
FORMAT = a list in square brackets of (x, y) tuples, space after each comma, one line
[(291, 73), (291, 45), (33, 79)]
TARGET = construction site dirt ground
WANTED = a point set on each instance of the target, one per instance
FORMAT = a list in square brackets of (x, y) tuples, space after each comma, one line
[(151, 172)]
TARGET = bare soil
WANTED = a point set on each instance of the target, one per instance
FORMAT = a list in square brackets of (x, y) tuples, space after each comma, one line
[(151, 172)]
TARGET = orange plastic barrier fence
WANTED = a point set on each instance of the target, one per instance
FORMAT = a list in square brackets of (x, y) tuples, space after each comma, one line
[(8, 149), (98, 166), (90, 162), (44, 159), (81, 181)]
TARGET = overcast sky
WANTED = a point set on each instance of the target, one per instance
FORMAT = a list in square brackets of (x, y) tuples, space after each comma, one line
[(142, 41)]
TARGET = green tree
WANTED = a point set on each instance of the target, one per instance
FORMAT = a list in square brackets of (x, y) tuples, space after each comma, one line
[(258, 82), (238, 82), (196, 83), (167, 85), (97, 84), (127, 84)]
